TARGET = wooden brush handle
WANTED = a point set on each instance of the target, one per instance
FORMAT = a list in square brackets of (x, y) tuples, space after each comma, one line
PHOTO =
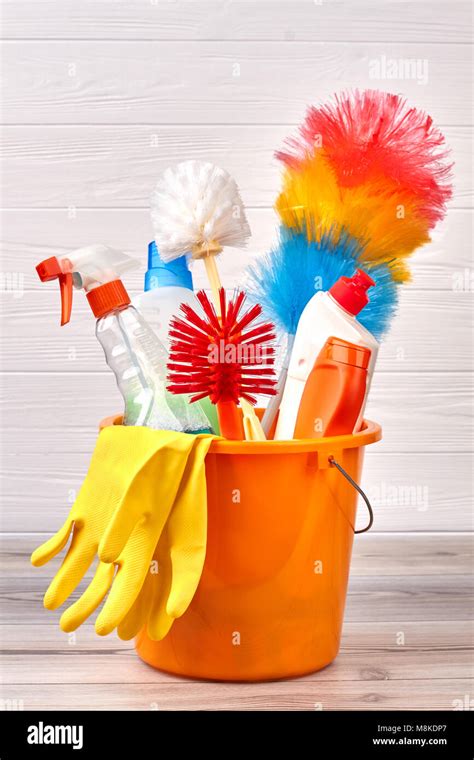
[(230, 421), (214, 280), (253, 429)]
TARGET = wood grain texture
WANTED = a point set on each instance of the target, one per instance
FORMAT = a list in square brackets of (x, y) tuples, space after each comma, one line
[(438, 587), (244, 20), (75, 82), (99, 97), (430, 595), (111, 166), (408, 492), (414, 409), (407, 642), (356, 638), (32, 338), (119, 665), (400, 554), (413, 483), (297, 695), (29, 235), (383, 598)]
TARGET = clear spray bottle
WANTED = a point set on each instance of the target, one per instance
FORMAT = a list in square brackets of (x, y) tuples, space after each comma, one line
[(132, 350)]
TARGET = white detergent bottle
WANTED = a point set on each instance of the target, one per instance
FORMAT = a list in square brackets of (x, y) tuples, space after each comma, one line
[(167, 286), (327, 314)]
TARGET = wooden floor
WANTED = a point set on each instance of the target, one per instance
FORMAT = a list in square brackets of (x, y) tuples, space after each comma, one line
[(407, 642)]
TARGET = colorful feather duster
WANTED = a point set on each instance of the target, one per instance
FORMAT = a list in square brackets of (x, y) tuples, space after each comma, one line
[(371, 134), (364, 182), (285, 279), (387, 223), (369, 166)]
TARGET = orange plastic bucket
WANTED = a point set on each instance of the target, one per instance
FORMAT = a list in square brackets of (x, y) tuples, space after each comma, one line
[(270, 603)]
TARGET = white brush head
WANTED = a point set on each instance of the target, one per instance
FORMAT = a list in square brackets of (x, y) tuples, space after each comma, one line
[(196, 208)]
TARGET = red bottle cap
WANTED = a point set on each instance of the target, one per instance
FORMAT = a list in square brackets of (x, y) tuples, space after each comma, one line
[(343, 352), (351, 292), (107, 298)]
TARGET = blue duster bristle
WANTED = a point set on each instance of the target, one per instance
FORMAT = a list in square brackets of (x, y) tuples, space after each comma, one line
[(284, 280)]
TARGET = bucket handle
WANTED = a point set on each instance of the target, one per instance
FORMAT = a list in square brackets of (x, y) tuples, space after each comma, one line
[(359, 490)]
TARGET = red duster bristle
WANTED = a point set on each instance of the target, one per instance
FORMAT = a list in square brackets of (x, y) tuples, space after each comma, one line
[(221, 357), (369, 135)]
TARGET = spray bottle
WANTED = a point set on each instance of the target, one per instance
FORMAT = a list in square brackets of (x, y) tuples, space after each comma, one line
[(331, 313), (132, 351)]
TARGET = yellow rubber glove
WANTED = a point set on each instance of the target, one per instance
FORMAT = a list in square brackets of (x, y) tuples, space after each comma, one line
[(178, 560), (119, 514)]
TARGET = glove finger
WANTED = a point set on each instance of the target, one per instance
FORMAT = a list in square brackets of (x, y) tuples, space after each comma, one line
[(187, 571), (52, 546), (119, 530), (159, 625), (128, 580), (76, 563), (187, 532), (136, 617), (159, 622), (78, 612)]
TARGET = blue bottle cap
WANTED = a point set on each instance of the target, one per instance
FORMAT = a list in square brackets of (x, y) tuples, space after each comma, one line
[(161, 274)]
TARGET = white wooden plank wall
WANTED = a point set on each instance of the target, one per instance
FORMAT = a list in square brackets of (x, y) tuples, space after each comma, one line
[(99, 97)]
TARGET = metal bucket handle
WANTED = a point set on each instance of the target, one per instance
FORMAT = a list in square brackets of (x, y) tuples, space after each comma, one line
[(359, 490)]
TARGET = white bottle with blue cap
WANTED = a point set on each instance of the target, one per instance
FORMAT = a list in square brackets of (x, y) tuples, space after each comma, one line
[(167, 286)]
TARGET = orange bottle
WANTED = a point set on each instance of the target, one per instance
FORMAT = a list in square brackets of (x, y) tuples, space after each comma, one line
[(334, 391)]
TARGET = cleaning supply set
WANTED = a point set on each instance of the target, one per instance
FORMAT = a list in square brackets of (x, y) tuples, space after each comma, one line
[(206, 547)]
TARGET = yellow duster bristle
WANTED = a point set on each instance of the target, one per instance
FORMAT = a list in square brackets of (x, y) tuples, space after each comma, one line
[(382, 215)]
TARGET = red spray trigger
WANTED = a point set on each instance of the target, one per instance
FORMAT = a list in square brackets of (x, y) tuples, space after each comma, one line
[(50, 269)]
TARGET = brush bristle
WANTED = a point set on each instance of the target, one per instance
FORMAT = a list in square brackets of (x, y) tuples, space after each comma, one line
[(284, 280), (225, 358), (371, 166), (369, 135), (384, 217), (196, 205)]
